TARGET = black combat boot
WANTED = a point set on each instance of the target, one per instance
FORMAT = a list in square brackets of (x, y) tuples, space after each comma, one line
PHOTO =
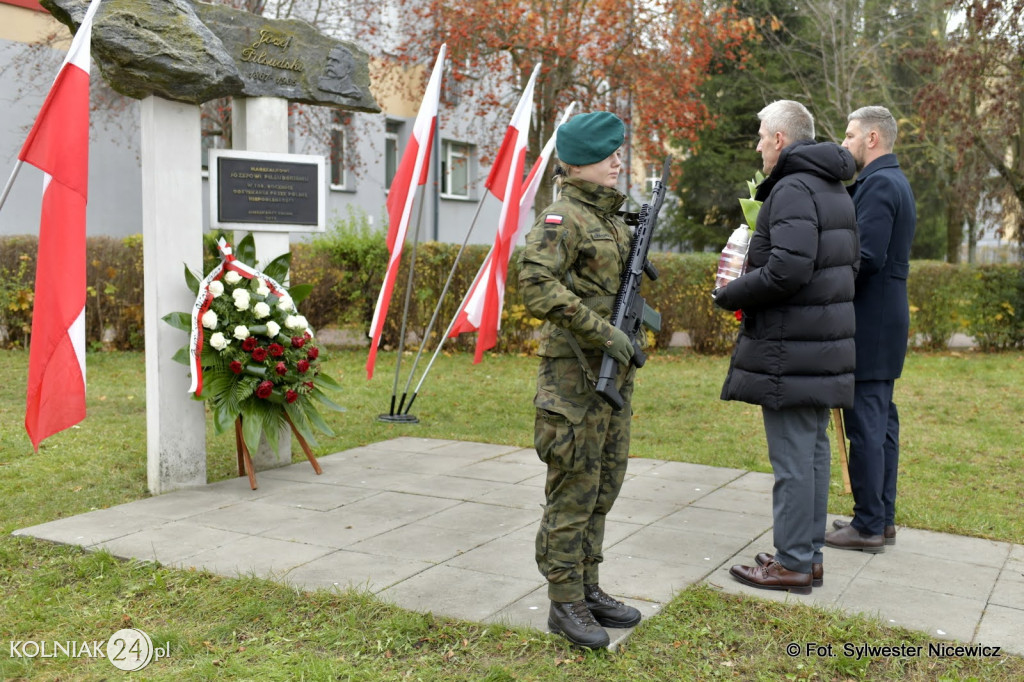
[(574, 621), (609, 612)]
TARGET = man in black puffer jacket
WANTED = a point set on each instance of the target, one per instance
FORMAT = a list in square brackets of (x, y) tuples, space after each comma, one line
[(795, 352)]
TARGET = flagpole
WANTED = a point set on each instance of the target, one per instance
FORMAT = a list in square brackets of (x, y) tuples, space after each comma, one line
[(437, 310), (10, 183), (444, 338), (393, 415)]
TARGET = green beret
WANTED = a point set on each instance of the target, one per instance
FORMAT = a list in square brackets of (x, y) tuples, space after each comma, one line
[(589, 138)]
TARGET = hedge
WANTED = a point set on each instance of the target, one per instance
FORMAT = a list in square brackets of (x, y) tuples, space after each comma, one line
[(347, 264)]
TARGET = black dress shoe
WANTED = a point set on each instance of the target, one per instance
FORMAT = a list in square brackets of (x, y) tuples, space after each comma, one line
[(609, 612), (574, 621), (889, 533), (817, 570), (773, 576), (849, 537)]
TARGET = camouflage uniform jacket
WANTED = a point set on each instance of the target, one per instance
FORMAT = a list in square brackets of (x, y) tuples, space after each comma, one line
[(570, 270)]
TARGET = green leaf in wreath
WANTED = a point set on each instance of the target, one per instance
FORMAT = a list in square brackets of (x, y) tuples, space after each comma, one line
[(277, 270), (300, 292), (223, 418), (252, 428), (318, 421), (181, 356), (298, 416), (325, 401), (182, 321), (246, 250), (191, 281)]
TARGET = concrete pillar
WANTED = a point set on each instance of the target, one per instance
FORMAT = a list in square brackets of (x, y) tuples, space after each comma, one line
[(261, 124), (172, 229)]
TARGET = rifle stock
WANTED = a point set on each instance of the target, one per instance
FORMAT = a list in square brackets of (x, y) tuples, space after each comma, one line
[(631, 311)]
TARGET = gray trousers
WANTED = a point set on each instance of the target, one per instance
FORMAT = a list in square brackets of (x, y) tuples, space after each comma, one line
[(798, 448)]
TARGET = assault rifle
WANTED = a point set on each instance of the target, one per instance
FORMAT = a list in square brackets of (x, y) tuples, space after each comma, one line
[(631, 311)]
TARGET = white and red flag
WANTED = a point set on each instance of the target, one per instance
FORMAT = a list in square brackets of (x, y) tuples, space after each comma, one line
[(481, 309), (58, 145), (412, 172)]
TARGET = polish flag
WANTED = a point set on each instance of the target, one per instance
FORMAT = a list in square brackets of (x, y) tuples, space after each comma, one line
[(58, 145), (481, 309), (412, 171)]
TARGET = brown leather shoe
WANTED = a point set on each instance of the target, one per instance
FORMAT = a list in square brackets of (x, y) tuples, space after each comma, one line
[(817, 570), (851, 538), (889, 533), (773, 576)]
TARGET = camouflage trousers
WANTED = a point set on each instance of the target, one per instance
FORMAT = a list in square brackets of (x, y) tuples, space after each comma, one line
[(585, 446)]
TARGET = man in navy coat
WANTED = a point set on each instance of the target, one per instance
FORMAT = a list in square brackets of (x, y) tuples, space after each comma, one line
[(886, 219)]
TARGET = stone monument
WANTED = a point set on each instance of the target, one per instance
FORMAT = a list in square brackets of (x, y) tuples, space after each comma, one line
[(173, 55)]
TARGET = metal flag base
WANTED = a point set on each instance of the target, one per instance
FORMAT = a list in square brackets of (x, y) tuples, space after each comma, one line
[(398, 418)]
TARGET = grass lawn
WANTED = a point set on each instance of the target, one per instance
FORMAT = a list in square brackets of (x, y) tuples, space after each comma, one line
[(960, 472)]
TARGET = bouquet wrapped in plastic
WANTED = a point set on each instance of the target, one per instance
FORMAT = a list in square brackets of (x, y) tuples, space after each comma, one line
[(733, 261)]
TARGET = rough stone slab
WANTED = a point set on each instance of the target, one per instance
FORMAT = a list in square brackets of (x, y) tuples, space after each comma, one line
[(737, 499), (354, 570), (943, 616), (261, 557), (939, 576), (458, 592), (92, 527), (1001, 626), (169, 543)]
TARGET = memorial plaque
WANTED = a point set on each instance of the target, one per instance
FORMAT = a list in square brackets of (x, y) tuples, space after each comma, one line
[(265, 191)]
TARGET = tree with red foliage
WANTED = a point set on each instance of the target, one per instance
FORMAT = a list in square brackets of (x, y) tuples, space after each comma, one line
[(642, 59)]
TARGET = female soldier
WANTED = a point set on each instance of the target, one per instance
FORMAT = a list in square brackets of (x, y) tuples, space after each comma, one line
[(570, 273)]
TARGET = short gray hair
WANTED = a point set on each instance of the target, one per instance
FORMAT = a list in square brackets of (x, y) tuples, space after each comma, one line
[(877, 118), (789, 118)]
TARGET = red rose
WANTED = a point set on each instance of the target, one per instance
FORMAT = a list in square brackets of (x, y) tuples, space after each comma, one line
[(290, 396), (308, 384), (298, 342), (236, 367), (248, 344), (276, 350), (302, 366), (264, 389), (259, 354), (281, 368), (313, 353)]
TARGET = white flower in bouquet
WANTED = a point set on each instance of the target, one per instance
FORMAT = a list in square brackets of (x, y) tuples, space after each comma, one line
[(273, 329), (216, 288), (232, 277), (242, 299), (260, 310), (296, 322), (210, 319), (218, 341), (262, 289), (241, 332), (285, 304)]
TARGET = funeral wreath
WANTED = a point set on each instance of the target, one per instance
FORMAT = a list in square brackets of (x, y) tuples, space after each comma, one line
[(251, 355)]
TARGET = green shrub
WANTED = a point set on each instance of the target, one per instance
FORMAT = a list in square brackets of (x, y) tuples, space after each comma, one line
[(346, 265), (995, 314)]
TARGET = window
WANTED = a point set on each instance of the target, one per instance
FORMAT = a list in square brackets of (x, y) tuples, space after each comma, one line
[(652, 176), (391, 133), (455, 157), (339, 174)]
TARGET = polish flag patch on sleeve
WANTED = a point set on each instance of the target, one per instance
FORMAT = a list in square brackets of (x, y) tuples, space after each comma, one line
[(553, 219)]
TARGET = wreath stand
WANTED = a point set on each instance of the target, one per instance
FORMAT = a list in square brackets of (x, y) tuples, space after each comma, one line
[(245, 466)]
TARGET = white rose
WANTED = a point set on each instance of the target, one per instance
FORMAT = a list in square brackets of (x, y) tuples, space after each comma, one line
[(209, 319), (263, 289), (286, 303), (303, 323), (241, 332), (241, 297), (292, 322), (232, 277), (261, 310), (273, 329), (216, 288), (218, 341)]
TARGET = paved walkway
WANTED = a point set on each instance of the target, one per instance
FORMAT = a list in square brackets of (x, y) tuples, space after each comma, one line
[(448, 527)]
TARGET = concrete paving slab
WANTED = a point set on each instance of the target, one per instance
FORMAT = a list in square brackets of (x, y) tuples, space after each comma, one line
[(458, 592), (943, 616), (938, 576), (456, 537), (169, 543), (1001, 626), (345, 569), (254, 556)]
